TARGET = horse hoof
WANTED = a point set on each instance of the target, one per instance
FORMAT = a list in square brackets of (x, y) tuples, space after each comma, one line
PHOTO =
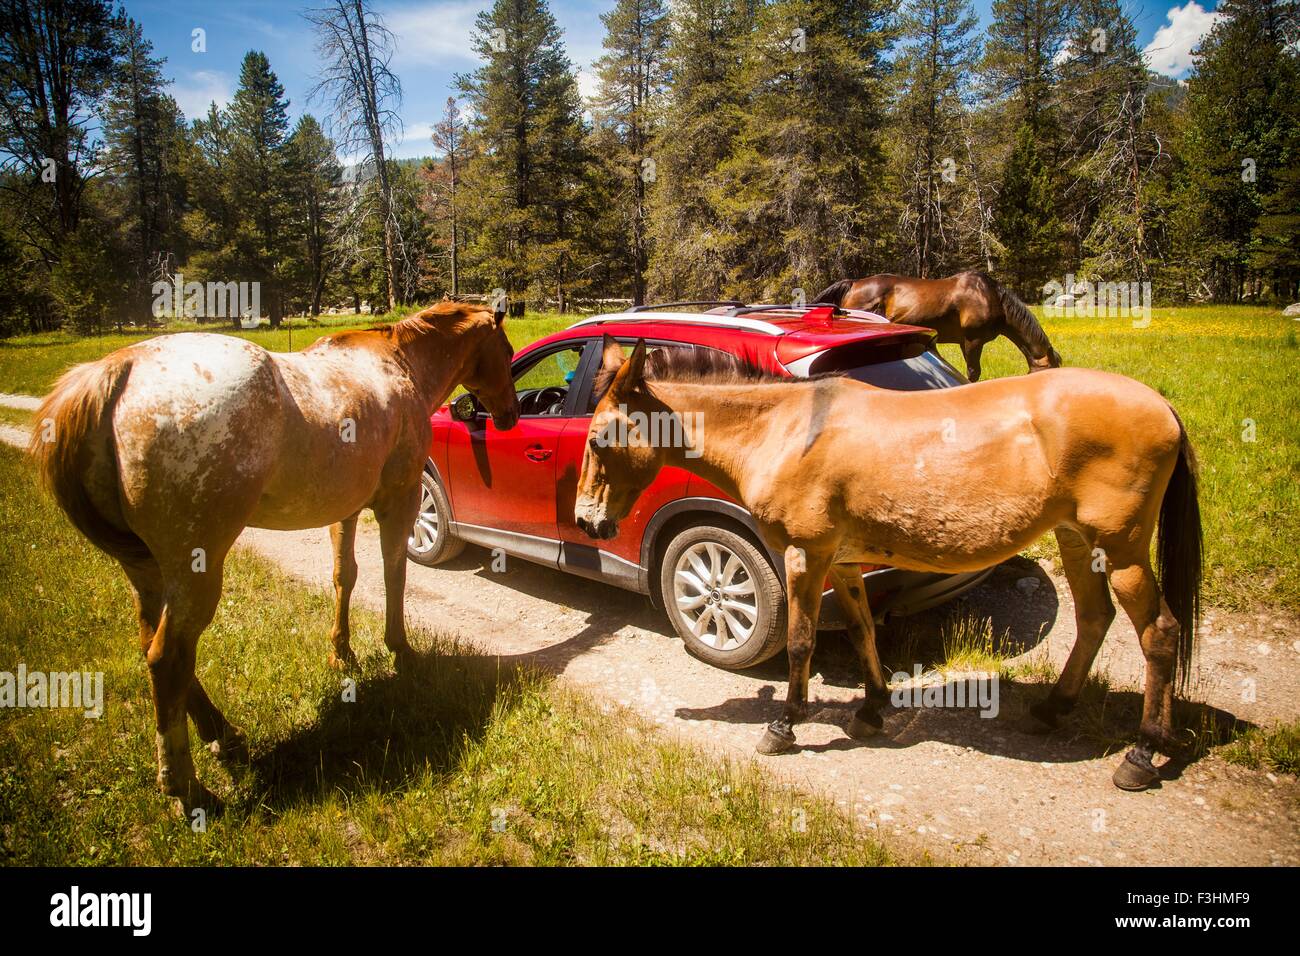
[(197, 805), (343, 662), (1134, 777), (860, 729), (774, 743), (1034, 725), (232, 749)]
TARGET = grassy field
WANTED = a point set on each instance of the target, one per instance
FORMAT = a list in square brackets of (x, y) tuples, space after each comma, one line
[(1230, 371), (459, 762), (1222, 368)]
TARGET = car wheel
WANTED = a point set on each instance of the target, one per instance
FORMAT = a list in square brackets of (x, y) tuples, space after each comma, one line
[(723, 597), (431, 541)]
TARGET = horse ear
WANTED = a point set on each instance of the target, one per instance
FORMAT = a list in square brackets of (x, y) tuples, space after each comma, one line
[(499, 315), (635, 373), (611, 354)]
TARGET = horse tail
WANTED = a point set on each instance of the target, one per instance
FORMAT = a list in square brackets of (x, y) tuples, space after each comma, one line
[(73, 430), (1179, 546), (834, 293), (1017, 314)]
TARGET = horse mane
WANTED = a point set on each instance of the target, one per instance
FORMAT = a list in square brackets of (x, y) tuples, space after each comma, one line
[(834, 293), (1017, 314), (699, 365), (403, 331)]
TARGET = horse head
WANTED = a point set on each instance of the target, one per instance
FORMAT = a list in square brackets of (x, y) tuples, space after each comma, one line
[(618, 462)]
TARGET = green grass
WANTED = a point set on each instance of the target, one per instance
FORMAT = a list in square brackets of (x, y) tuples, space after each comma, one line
[(416, 771), (1276, 749), (15, 416), (1218, 366)]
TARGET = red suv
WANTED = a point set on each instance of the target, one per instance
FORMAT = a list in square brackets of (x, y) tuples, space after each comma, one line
[(514, 490)]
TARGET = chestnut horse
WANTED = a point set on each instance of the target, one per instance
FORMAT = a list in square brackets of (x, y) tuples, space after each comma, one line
[(162, 452), (968, 309), (837, 474)]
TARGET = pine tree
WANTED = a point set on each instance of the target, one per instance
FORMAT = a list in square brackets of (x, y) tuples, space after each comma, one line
[(704, 116), (529, 157), (933, 71), (797, 197), (259, 178), (144, 132), (1025, 218), (1111, 151), (443, 181), (55, 65), (1020, 57), (315, 180), (1019, 70), (632, 80), (1238, 144)]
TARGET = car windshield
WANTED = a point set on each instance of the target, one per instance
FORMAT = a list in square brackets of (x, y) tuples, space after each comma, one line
[(909, 368)]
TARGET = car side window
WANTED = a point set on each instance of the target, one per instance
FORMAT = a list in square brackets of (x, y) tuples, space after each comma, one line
[(543, 386), (593, 399)]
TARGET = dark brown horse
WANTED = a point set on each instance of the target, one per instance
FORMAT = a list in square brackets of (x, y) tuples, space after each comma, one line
[(968, 309)]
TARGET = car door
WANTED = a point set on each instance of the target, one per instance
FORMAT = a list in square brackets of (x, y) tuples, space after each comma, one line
[(503, 483), (619, 556)]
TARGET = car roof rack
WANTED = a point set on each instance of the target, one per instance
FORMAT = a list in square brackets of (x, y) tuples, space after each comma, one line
[(720, 319), (660, 306), (737, 315)]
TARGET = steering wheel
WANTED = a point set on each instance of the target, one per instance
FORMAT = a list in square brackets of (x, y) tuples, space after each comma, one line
[(550, 400)]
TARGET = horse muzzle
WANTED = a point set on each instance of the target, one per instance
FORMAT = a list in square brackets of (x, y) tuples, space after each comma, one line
[(506, 420), (602, 530)]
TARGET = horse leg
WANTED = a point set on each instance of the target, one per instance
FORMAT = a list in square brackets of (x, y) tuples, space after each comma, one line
[(343, 536), (1135, 586), (972, 349), (852, 596), (804, 576), (1093, 613), (190, 601), (396, 517), (228, 742)]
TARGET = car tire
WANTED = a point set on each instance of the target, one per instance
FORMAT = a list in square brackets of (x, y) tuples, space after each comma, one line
[(431, 541), (751, 627)]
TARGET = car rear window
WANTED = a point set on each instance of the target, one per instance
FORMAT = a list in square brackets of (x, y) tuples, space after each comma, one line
[(905, 367)]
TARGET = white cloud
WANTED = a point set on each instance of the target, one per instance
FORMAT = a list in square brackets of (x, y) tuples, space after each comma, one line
[(415, 142), (200, 88), (588, 85), (434, 31), (1170, 50)]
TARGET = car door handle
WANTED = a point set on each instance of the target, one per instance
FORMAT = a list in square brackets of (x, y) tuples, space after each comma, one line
[(537, 453)]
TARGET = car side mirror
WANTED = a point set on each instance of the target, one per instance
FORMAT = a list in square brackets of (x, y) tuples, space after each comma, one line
[(464, 408)]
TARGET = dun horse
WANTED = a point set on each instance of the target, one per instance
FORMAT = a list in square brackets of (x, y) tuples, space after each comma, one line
[(163, 451), (837, 473), (968, 309)]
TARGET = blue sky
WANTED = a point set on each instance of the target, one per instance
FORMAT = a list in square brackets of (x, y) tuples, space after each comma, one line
[(433, 45)]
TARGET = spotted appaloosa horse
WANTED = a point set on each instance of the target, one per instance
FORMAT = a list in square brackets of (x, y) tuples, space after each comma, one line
[(838, 474), (969, 309), (163, 451)]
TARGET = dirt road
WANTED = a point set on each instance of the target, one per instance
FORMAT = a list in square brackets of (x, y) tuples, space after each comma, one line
[(965, 788)]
